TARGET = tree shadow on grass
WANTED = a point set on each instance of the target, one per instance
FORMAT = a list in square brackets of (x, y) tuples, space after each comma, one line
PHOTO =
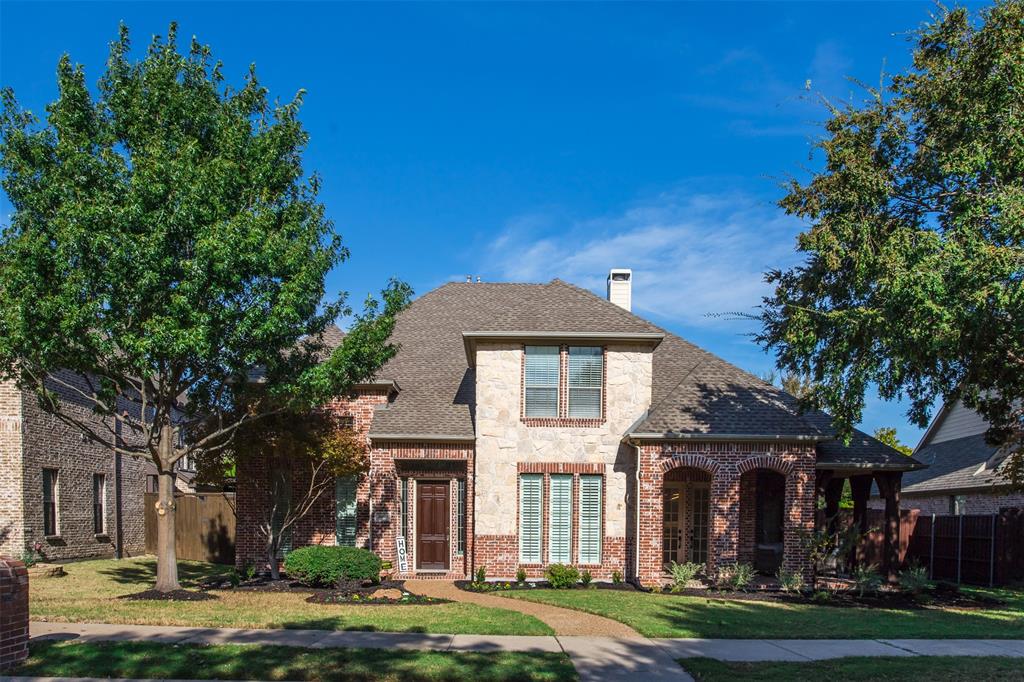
[(143, 571)]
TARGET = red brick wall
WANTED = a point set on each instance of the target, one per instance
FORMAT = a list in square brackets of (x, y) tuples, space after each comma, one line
[(13, 613), (726, 463)]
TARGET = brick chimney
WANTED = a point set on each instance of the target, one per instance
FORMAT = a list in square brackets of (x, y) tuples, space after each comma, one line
[(620, 287)]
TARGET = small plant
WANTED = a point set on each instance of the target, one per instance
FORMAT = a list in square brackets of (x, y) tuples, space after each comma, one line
[(866, 579), (682, 574), (481, 575), (234, 578), (617, 577), (790, 581), (521, 575), (586, 578), (822, 597), (325, 566), (561, 576), (743, 576), (915, 579), (32, 555)]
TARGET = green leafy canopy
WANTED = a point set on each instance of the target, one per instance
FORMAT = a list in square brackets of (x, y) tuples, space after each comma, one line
[(914, 273), (166, 241)]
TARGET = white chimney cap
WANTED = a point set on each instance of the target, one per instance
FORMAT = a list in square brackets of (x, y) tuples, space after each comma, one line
[(620, 287)]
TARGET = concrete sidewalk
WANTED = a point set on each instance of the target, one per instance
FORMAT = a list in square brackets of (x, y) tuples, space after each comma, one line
[(595, 658)]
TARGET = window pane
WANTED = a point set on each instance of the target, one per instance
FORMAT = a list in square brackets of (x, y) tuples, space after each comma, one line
[(98, 495), (590, 519), (345, 508), (541, 381), (530, 518), (585, 379), (50, 501), (560, 515)]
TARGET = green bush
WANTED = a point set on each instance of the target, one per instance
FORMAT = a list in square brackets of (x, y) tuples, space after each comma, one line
[(561, 576), (521, 575), (915, 579), (586, 578), (617, 577), (790, 581), (682, 574), (481, 574), (325, 566), (866, 579)]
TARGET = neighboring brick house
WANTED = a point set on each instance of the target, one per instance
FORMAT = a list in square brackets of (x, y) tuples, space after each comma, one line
[(522, 425), (73, 497), (963, 474)]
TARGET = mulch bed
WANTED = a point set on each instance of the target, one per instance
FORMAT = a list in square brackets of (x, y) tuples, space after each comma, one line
[(512, 586), (363, 599), (173, 595), (936, 598), (347, 592)]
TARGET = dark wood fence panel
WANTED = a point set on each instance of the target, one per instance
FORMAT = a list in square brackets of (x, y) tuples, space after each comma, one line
[(204, 526)]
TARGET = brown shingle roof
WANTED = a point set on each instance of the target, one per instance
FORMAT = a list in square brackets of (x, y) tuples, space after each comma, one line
[(694, 392)]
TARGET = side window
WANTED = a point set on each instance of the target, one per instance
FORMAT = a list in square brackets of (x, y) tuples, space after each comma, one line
[(590, 519), (50, 506), (345, 509), (530, 493), (540, 384), (586, 375), (99, 504)]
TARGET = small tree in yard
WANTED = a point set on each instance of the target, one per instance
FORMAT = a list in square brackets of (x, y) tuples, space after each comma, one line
[(914, 273), (164, 242)]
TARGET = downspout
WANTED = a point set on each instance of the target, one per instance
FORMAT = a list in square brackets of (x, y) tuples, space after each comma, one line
[(369, 525), (636, 543)]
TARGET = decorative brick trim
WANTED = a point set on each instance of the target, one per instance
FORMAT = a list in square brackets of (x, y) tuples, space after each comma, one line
[(402, 450), (690, 461), (776, 464), (561, 467)]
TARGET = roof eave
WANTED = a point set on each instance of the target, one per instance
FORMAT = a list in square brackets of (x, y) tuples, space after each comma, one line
[(471, 338), (913, 465), (420, 438), (741, 437)]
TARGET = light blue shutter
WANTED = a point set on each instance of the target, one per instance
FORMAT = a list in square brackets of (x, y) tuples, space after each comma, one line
[(560, 515), (541, 381), (530, 487), (590, 520), (585, 378), (345, 510)]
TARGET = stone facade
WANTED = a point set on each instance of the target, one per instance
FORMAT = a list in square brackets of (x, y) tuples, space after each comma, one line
[(32, 440), (506, 441)]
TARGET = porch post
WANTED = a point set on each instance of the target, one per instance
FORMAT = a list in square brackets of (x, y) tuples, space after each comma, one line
[(833, 493), (860, 486), (725, 530), (649, 527), (889, 487)]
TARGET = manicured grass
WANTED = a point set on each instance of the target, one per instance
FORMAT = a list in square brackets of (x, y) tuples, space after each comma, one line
[(931, 668), (660, 615), (237, 662), (89, 594)]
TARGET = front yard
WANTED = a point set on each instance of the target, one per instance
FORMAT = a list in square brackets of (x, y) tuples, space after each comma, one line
[(91, 590), (239, 662), (665, 615), (932, 668)]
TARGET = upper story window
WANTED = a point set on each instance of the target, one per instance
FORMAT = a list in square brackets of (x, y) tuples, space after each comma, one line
[(542, 381), (586, 372), (563, 382)]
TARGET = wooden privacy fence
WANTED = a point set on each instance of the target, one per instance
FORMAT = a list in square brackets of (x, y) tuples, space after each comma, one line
[(979, 549), (204, 526)]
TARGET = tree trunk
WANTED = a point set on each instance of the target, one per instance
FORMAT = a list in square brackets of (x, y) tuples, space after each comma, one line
[(275, 573), (166, 555)]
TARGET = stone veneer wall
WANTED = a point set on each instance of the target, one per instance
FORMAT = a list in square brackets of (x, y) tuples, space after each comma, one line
[(46, 442), (976, 502), (505, 442), (726, 463)]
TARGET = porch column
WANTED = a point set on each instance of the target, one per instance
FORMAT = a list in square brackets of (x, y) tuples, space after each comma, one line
[(649, 528), (860, 486), (889, 487), (833, 494), (801, 505), (725, 519)]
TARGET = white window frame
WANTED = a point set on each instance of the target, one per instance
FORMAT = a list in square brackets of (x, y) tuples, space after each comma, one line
[(560, 518), (531, 481), (542, 351), (599, 389), (587, 555)]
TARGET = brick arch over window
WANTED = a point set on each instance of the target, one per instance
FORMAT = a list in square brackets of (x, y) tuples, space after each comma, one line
[(776, 464), (693, 461)]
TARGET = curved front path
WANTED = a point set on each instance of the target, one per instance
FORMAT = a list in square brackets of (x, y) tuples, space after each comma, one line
[(562, 621)]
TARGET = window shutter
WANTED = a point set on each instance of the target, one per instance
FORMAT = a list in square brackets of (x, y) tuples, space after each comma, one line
[(345, 510), (585, 378), (530, 486), (541, 381), (560, 515), (590, 520)]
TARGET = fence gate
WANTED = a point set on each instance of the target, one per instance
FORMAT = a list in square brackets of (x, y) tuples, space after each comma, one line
[(204, 526)]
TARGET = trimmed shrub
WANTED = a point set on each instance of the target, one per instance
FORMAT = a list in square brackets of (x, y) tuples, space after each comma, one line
[(915, 579), (866, 579), (521, 575), (790, 581), (561, 576), (682, 574), (481, 574), (319, 566), (586, 578), (617, 577)]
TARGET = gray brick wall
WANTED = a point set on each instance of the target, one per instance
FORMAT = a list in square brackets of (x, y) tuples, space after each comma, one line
[(12, 537)]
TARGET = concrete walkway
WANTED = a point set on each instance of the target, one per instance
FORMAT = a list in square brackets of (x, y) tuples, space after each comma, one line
[(563, 621), (616, 659)]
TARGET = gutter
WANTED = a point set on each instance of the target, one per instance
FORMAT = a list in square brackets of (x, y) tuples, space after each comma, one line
[(742, 437), (914, 465), (469, 339), (421, 437)]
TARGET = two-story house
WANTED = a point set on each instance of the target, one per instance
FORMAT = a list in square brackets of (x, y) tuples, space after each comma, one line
[(522, 425)]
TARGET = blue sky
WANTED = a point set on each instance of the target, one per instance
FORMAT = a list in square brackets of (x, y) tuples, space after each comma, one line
[(522, 142)]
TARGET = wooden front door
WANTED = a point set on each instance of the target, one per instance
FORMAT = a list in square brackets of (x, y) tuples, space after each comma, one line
[(432, 525)]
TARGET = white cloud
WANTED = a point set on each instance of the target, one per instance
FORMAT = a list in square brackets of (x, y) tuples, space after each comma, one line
[(691, 253)]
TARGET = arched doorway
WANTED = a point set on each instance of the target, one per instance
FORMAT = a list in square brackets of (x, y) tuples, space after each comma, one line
[(686, 516), (762, 519)]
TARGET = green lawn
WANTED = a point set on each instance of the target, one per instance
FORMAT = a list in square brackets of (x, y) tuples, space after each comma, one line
[(931, 668), (235, 662), (660, 615), (89, 594)]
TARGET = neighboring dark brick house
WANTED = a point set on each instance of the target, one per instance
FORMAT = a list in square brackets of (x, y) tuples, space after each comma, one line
[(522, 425), (73, 497)]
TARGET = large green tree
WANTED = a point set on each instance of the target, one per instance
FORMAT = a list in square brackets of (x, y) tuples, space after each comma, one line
[(166, 244), (913, 279)]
